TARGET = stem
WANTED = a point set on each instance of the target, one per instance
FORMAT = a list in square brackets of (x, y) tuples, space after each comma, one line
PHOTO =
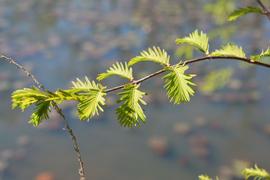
[(265, 9), (58, 110), (247, 60)]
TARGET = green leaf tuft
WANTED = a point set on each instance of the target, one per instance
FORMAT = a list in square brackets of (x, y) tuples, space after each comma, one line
[(263, 54), (130, 112), (40, 113), (154, 54), (196, 39), (118, 69), (177, 84), (230, 50), (256, 172), (204, 177), (85, 85), (91, 98), (23, 98), (243, 11)]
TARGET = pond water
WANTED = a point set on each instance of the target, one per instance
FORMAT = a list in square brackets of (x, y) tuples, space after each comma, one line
[(61, 40)]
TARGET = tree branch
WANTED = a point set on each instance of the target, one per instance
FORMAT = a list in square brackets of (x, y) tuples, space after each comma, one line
[(58, 110), (265, 9), (246, 60)]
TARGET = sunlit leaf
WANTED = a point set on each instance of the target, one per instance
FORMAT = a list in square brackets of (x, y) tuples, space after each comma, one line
[(204, 177), (243, 11), (256, 173), (154, 54), (23, 98), (196, 39), (118, 69), (263, 54), (85, 84), (41, 112), (229, 50), (130, 112), (91, 98), (178, 84)]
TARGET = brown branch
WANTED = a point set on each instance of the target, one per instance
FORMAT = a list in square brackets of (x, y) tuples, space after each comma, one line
[(246, 60), (58, 110), (266, 11)]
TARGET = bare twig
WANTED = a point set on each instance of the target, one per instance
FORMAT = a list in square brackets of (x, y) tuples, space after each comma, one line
[(266, 11), (247, 60), (58, 110)]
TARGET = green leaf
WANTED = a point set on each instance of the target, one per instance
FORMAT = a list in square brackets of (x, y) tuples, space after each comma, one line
[(118, 69), (229, 50), (256, 172), (40, 113), (91, 105), (91, 99), (154, 54), (196, 39), (263, 54), (85, 85), (204, 177), (178, 84), (23, 98), (130, 112), (243, 11)]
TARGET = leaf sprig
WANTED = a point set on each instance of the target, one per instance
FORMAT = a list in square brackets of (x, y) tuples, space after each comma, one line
[(244, 11), (130, 112), (155, 54), (229, 50), (178, 84), (256, 172), (118, 69), (196, 39), (91, 96), (260, 56)]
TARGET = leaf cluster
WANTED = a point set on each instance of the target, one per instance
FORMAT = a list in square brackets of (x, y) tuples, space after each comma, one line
[(91, 96), (255, 173)]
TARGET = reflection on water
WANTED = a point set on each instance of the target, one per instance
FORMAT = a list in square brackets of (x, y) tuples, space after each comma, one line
[(61, 40)]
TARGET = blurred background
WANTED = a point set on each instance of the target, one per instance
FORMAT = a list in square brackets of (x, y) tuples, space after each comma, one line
[(219, 132)]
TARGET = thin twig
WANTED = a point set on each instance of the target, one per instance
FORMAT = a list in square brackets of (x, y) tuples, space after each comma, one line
[(58, 110), (191, 61), (266, 11)]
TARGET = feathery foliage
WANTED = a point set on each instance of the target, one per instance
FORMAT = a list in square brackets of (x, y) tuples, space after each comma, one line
[(256, 172), (130, 112), (204, 177), (243, 11), (91, 98), (154, 54), (23, 98), (40, 113), (85, 85), (118, 69), (178, 84), (196, 39), (229, 50), (263, 54)]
